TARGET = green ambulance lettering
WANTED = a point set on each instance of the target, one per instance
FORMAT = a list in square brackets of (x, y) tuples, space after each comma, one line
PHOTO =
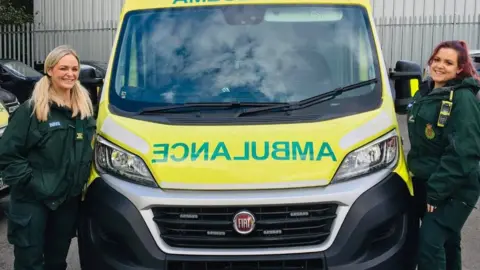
[(282, 150)]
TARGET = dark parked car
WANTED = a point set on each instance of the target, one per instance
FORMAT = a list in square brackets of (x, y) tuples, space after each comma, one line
[(18, 78), (100, 68), (475, 54), (9, 100)]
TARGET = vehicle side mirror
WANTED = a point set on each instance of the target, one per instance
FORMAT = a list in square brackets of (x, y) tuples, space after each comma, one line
[(87, 74), (407, 76)]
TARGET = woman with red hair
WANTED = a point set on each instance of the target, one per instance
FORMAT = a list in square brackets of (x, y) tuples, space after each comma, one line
[(444, 132)]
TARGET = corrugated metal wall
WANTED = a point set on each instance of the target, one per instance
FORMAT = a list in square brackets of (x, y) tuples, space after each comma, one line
[(408, 29), (389, 8), (69, 14), (88, 25)]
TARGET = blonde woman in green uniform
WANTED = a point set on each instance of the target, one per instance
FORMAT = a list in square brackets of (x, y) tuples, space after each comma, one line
[(444, 131), (45, 158)]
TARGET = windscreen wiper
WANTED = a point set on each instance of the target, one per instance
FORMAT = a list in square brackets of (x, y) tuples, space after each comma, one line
[(310, 101), (210, 105)]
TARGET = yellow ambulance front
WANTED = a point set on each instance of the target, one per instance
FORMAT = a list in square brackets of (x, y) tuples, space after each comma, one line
[(249, 134), (3, 118), (3, 125)]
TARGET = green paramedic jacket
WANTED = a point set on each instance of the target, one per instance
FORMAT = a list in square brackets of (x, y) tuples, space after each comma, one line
[(446, 157), (46, 161)]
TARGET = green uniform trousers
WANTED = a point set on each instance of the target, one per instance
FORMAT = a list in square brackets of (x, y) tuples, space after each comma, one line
[(440, 237), (41, 237)]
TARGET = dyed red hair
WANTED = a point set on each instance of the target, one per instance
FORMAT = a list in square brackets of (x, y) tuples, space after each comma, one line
[(464, 61)]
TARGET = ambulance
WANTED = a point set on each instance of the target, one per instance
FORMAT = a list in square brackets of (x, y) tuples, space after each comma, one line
[(249, 134), (4, 115)]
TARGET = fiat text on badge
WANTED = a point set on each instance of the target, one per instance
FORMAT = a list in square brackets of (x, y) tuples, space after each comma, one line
[(244, 222)]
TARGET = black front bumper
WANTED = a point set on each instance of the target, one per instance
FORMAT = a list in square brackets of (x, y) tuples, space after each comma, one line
[(378, 233)]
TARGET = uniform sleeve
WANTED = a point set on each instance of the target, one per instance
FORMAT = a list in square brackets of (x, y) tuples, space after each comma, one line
[(462, 154), (13, 151)]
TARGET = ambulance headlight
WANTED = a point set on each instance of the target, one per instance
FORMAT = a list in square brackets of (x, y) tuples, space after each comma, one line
[(114, 160), (370, 158)]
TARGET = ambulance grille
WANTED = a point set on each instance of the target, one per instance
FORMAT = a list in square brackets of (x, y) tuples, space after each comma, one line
[(275, 226), (312, 264)]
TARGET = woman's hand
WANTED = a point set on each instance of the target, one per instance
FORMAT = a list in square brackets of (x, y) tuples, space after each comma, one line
[(431, 208)]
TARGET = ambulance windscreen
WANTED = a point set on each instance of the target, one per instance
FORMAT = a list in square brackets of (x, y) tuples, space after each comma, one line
[(245, 54)]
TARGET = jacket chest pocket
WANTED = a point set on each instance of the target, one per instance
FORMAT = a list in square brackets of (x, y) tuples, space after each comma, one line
[(54, 142)]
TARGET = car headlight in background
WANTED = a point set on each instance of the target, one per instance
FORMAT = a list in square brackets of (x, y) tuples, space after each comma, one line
[(13, 106), (2, 130), (2, 106), (370, 158), (112, 159)]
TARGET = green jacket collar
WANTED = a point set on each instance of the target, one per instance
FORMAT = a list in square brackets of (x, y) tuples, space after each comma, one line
[(466, 83), (64, 110)]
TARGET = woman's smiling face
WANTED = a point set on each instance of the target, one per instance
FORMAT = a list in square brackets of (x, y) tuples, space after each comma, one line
[(444, 66), (65, 73)]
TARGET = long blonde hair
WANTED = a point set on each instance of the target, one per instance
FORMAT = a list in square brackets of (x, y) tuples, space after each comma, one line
[(42, 93)]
